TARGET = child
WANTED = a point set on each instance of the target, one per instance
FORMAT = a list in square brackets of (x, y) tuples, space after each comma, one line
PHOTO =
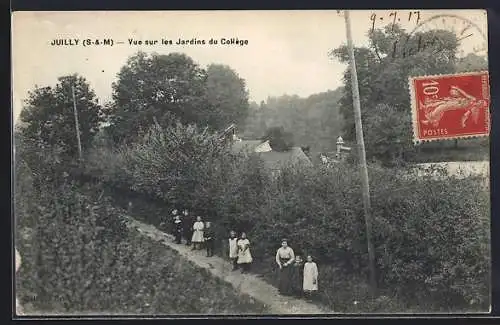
[(177, 229), (233, 249), (297, 277), (188, 228), (244, 255), (310, 276), (169, 224), (209, 235), (197, 238)]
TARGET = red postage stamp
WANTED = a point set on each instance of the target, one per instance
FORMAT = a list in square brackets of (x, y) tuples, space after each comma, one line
[(450, 106)]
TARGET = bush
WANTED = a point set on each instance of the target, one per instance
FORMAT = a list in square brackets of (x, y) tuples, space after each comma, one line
[(431, 234)]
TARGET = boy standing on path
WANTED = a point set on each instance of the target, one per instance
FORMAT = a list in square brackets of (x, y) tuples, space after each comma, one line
[(233, 249), (209, 235)]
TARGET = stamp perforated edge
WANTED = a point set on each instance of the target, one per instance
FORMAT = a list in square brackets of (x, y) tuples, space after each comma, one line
[(416, 138)]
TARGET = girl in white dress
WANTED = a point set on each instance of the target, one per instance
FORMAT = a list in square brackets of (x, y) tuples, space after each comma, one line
[(197, 238), (244, 255), (310, 276)]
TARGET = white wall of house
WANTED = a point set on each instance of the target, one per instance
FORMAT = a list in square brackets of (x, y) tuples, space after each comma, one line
[(263, 147)]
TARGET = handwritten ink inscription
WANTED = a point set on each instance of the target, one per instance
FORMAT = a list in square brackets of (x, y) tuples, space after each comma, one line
[(394, 18)]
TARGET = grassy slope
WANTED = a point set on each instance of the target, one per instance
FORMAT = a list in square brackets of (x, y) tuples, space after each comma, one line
[(169, 285), (145, 278)]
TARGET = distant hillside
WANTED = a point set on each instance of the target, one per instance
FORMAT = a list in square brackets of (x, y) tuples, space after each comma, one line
[(314, 121)]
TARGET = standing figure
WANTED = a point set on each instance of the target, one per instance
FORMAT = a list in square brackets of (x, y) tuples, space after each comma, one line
[(285, 257), (170, 223), (197, 238), (310, 276), (178, 229), (19, 308), (244, 255), (188, 228), (233, 249), (297, 276), (209, 237)]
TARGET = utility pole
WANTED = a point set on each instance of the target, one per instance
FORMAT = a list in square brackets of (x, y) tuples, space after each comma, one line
[(76, 124), (362, 154)]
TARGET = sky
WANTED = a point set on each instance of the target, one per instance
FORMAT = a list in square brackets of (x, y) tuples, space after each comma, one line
[(287, 51)]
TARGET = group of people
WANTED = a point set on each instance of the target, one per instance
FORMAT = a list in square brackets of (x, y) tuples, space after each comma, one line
[(296, 276), (199, 234), (239, 251)]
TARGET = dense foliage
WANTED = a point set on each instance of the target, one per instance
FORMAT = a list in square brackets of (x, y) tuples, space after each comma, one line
[(320, 211), (79, 257), (47, 119), (383, 69), (279, 139), (313, 122), (171, 88)]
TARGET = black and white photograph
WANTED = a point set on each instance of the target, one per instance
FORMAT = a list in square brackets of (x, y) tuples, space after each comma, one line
[(291, 162)]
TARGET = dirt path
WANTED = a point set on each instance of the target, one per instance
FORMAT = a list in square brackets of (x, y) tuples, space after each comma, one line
[(246, 283)]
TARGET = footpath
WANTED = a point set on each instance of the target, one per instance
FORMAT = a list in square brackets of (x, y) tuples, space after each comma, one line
[(249, 284)]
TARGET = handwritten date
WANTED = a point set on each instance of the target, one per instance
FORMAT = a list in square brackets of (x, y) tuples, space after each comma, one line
[(395, 17)]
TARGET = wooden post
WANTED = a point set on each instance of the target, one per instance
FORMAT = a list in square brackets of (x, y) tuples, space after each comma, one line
[(77, 127), (362, 153)]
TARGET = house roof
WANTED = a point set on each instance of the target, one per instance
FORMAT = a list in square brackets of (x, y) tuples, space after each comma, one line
[(276, 159), (245, 145)]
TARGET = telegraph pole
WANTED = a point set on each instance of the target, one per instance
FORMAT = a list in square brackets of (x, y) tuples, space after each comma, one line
[(76, 124), (362, 153)]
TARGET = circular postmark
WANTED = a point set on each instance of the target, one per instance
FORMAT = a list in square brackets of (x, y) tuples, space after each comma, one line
[(469, 34)]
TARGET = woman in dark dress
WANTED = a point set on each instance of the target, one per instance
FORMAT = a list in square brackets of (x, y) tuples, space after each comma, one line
[(285, 258)]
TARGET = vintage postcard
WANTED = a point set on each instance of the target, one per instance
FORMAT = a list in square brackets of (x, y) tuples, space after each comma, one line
[(193, 163)]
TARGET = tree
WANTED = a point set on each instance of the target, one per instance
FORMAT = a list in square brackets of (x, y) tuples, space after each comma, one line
[(48, 118), (472, 62), (385, 141), (323, 123), (226, 97), (252, 124), (279, 139), (314, 121), (383, 69), (166, 87)]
